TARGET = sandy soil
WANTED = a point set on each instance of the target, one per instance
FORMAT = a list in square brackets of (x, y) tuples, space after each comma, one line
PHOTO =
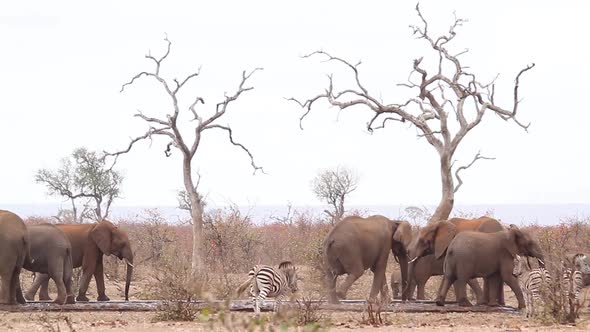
[(341, 321)]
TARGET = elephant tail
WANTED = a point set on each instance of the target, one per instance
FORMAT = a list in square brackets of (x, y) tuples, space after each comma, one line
[(28, 261), (67, 268)]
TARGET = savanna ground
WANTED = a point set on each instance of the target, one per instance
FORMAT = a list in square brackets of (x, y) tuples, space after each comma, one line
[(234, 244)]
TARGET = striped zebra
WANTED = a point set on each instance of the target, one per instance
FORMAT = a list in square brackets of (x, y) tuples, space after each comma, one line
[(531, 282), (573, 279), (266, 281)]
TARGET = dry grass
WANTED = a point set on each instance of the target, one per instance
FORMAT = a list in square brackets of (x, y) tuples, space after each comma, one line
[(234, 242)]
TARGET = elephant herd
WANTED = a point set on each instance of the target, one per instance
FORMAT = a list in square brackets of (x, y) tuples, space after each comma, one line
[(458, 249), (52, 252)]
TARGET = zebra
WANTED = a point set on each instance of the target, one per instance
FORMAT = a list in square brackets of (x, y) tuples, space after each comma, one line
[(574, 268), (531, 282), (266, 281)]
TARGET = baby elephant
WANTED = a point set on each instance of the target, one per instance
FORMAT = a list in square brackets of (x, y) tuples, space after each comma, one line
[(51, 253)]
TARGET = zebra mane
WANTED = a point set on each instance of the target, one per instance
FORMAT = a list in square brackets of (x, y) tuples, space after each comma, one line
[(286, 265)]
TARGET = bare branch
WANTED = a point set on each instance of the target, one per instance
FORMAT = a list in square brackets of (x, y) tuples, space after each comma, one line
[(193, 105), (179, 85), (148, 119), (151, 131), (231, 139), (477, 157), (159, 61), (221, 107)]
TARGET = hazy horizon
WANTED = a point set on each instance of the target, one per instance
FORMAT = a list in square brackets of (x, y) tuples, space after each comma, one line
[(520, 214)]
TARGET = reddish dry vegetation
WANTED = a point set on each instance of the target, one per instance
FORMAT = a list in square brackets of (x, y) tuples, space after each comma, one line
[(234, 242)]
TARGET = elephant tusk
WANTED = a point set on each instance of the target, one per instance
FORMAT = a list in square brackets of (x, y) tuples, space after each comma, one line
[(128, 262), (413, 260), (541, 261)]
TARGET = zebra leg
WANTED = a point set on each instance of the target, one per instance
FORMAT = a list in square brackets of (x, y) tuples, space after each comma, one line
[(531, 298), (278, 301), (261, 296), (254, 299)]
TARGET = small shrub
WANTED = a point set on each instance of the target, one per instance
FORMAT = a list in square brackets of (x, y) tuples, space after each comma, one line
[(176, 311), (372, 316), (308, 312), (53, 325)]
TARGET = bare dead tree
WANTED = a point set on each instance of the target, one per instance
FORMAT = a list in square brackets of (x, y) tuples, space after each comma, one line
[(168, 127), (333, 186), (449, 103)]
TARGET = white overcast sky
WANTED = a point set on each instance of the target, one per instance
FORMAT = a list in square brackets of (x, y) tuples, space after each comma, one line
[(62, 66)]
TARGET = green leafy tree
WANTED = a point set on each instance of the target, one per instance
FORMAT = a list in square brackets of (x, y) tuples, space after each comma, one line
[(86, 181)]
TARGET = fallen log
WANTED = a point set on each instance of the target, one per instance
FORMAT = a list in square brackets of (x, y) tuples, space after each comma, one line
[(246, 305)]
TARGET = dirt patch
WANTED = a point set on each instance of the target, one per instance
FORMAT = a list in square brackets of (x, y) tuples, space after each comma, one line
[(340, 321)]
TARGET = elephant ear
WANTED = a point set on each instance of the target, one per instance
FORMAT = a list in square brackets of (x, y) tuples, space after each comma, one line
[(445, 232), (513, 240), (101, 234), (403, 233)]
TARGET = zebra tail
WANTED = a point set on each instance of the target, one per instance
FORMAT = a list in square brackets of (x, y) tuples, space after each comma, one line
[(243, 286)]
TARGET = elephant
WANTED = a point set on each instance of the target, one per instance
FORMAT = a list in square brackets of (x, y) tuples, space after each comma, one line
[(51, 252), (356, 244), (14, 252), (89, 243), (488, 255), (429, 246), (396, 287)]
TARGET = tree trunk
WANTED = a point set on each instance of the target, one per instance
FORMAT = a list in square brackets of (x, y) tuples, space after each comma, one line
[(197, 262), (444, 208), (75, 211)]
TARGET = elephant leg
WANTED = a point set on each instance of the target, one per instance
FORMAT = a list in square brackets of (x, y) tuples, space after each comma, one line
[(87, 272), (411, 290), (39, 279), (44, 290), (56, 265), (330, 280), (67, 277), (99, 278), (444, 289), (486, 292), (378, 279), (5, 288), (421, 289), (492, 283), (474, 284), (501, 300), (61, 287), (19, 292), (460, 287), (384, 292), (16, 295), (350, 279), (512, 282)]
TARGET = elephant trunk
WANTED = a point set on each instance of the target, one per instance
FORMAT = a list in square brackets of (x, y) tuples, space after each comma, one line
[(403, 265), (128, 258), (407, 287)]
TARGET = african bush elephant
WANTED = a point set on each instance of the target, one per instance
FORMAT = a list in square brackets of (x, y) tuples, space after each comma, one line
[(14, 252), (488, 255), (89, 243), (396, 284), (429, 246), (356, 244), (51, 252)]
